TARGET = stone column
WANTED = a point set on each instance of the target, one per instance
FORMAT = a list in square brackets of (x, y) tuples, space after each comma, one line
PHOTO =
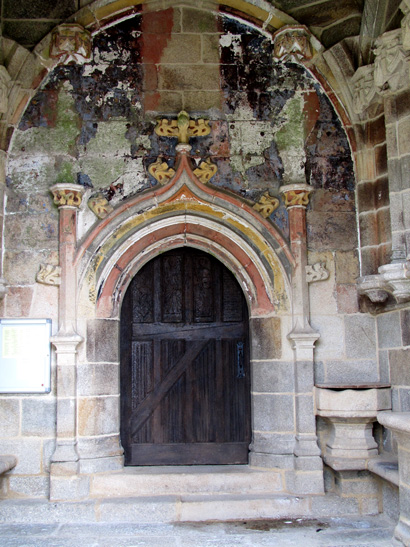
[(3, 159), (303, 338), (64, 463), (399, 423)]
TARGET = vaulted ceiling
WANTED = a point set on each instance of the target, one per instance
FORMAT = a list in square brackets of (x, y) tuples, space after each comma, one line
[(28, 21)]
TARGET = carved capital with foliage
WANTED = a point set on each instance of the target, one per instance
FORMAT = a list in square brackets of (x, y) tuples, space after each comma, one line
[(70, 42), (296, 195), (67, 195)]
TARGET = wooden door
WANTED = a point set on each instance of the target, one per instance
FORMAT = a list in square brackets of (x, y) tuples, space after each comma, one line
[(185, 382)]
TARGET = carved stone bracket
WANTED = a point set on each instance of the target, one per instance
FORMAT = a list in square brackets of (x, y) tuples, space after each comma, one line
[(294, 43), (183, 127), (160, 171), (70, 42), (316, 272), (67, 195), (266, 205), (49, 274), (392, 279)]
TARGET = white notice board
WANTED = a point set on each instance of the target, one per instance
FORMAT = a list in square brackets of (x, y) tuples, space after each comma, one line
[(25, 355)]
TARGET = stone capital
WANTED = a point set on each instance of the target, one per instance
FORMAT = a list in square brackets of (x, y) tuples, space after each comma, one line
[(66, 342), (303, 339), (67, 195), (296, 195)]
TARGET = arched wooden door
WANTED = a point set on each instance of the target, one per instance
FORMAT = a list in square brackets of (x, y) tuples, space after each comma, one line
[(185, 381)]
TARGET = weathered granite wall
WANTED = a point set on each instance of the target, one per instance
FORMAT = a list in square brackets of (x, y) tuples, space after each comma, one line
[(271, 123)]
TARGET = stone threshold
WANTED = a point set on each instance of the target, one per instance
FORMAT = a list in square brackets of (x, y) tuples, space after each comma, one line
[(187, 480)]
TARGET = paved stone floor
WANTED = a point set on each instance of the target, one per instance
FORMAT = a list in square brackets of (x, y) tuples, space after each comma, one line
[(336, 532)]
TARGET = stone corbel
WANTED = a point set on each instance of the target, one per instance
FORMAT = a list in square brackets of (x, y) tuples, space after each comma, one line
[(392, 279)]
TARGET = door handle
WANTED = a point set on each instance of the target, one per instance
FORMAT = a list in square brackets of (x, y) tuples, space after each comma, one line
[(240, 360)]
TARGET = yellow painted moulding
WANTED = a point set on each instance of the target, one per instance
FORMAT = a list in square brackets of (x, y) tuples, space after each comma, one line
[(269, 17)]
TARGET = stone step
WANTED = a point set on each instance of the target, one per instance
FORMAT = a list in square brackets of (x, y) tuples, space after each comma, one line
[(186, 480)]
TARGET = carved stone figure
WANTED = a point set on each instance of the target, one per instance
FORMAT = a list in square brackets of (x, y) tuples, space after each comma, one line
[(160, 171), (266, 205), (390, 66), (70, 42), (292, 44), (365, 91)]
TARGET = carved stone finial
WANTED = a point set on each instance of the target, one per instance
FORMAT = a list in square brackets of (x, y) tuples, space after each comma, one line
[(183, 128), (4, 89), (49, 274), (160, 171), (67, 195), (266, 205), (296, 195), (70, 42), (316, 272), (100, 206), (292, 44), (205, 171)]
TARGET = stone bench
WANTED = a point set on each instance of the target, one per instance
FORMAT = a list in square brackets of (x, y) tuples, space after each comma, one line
[(7, 463)]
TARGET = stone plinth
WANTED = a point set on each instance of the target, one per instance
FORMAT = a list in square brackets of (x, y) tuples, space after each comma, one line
[(399, 424), (351, 413)]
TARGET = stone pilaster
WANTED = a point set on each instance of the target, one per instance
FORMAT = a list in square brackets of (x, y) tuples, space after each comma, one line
[(302, 338), (3, 160), (65, 458)]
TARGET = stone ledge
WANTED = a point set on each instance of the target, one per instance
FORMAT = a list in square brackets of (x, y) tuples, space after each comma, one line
[(386, 467), (7, 463)]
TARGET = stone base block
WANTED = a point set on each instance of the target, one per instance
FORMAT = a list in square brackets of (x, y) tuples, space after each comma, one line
[(270, 461), (305, 483), (101, 465), (76, 487), (402, 532)]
